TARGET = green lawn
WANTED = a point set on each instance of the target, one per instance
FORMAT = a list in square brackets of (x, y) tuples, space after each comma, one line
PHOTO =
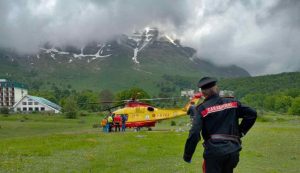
[(41, 143)]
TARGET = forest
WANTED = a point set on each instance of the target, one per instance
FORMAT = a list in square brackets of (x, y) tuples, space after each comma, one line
[(279, 93)]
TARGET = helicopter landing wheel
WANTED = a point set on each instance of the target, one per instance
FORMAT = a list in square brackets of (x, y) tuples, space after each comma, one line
[(137, 129), (149, 129)]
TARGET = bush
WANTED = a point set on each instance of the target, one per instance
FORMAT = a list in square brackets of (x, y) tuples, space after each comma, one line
[(71, 114), (295, 107), (24, 118), (173, 123), (83, 114), (70, 108), (4, 111)]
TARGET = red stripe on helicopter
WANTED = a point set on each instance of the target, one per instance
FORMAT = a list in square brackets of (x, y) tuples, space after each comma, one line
[(141, 124), (218, 108), (136, 104)]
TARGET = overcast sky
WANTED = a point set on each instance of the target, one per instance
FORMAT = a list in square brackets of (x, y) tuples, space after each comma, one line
[(262, 36)]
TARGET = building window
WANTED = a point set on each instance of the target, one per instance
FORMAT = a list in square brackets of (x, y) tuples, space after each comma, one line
[(30, 109), (36, 109), (24, 109), (29, 103), (42, 109), (18, 109), (24, 103), (36, 103)]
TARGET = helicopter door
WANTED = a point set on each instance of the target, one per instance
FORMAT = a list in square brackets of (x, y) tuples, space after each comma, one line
[(138, 110)]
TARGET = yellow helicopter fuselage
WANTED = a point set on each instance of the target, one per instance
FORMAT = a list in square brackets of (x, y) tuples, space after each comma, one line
[(143, 115)]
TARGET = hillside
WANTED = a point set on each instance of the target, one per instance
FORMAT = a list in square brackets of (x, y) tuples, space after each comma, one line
[(262, 84), (146, 59)]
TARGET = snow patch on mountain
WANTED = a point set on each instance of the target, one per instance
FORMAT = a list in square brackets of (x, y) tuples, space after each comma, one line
[(134, 58), (53, 51), (137, 42), (53, 56), (142, 40), (99, 54), (171, 40), (95, 56)]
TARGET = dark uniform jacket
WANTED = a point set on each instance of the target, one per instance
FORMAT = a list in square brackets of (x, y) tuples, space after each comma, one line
[(217, 118)]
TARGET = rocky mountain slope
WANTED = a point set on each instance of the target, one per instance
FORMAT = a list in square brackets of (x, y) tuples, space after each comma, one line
[(148, 59)]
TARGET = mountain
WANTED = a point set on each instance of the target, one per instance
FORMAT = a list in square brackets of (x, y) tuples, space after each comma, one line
[(148, 59)]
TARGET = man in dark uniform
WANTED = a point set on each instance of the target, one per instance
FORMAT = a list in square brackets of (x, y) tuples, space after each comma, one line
[(217, 118)]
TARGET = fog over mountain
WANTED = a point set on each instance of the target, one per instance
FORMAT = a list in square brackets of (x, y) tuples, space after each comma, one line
[(260, 36)]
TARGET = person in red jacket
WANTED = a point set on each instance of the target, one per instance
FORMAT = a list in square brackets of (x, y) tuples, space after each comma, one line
[(117, 122), (218, 120)]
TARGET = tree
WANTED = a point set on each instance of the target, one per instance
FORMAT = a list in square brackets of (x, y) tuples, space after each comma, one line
[(295, 107), (254, 100), (4, 110), (269, 102), (106, 96), (70, 108), (282, 103), (133, 93), (293, 92), (88, 100)]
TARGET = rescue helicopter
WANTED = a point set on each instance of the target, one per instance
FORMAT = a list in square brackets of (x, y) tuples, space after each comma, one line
[(140, 114)]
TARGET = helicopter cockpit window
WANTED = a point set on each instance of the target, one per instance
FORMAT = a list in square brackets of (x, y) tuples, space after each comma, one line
[(151, 109)]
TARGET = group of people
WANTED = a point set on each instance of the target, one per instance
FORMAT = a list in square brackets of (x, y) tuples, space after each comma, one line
[(112, 120)]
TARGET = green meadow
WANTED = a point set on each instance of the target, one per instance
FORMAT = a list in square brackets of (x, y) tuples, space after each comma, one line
[(43, 143)]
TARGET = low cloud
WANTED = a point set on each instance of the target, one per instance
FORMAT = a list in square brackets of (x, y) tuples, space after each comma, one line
[(260, 36)]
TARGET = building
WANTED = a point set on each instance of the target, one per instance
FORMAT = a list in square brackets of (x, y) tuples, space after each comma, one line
[(226, 93), (36, 104), (187, 93), (11, 92)]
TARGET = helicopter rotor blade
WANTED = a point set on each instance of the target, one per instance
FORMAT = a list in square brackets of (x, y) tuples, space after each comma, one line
[(123, 102), (99, 102), (167, 98), (112, 107)]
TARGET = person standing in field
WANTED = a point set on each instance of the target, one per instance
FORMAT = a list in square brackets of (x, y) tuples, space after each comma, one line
[(103, 124), (124, 119), (110, 122), (192, 111), (117, 122), (218, 120)]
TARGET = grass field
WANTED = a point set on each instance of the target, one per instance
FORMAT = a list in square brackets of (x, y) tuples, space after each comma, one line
[(41, 143)]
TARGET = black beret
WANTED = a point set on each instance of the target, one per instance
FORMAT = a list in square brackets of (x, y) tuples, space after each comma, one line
[(207, 82)]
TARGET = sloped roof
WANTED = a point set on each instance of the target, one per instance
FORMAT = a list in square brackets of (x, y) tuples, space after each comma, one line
[(44, 101)]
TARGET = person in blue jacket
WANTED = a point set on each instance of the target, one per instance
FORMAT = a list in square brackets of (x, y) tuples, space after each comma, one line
[(124, 119)]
